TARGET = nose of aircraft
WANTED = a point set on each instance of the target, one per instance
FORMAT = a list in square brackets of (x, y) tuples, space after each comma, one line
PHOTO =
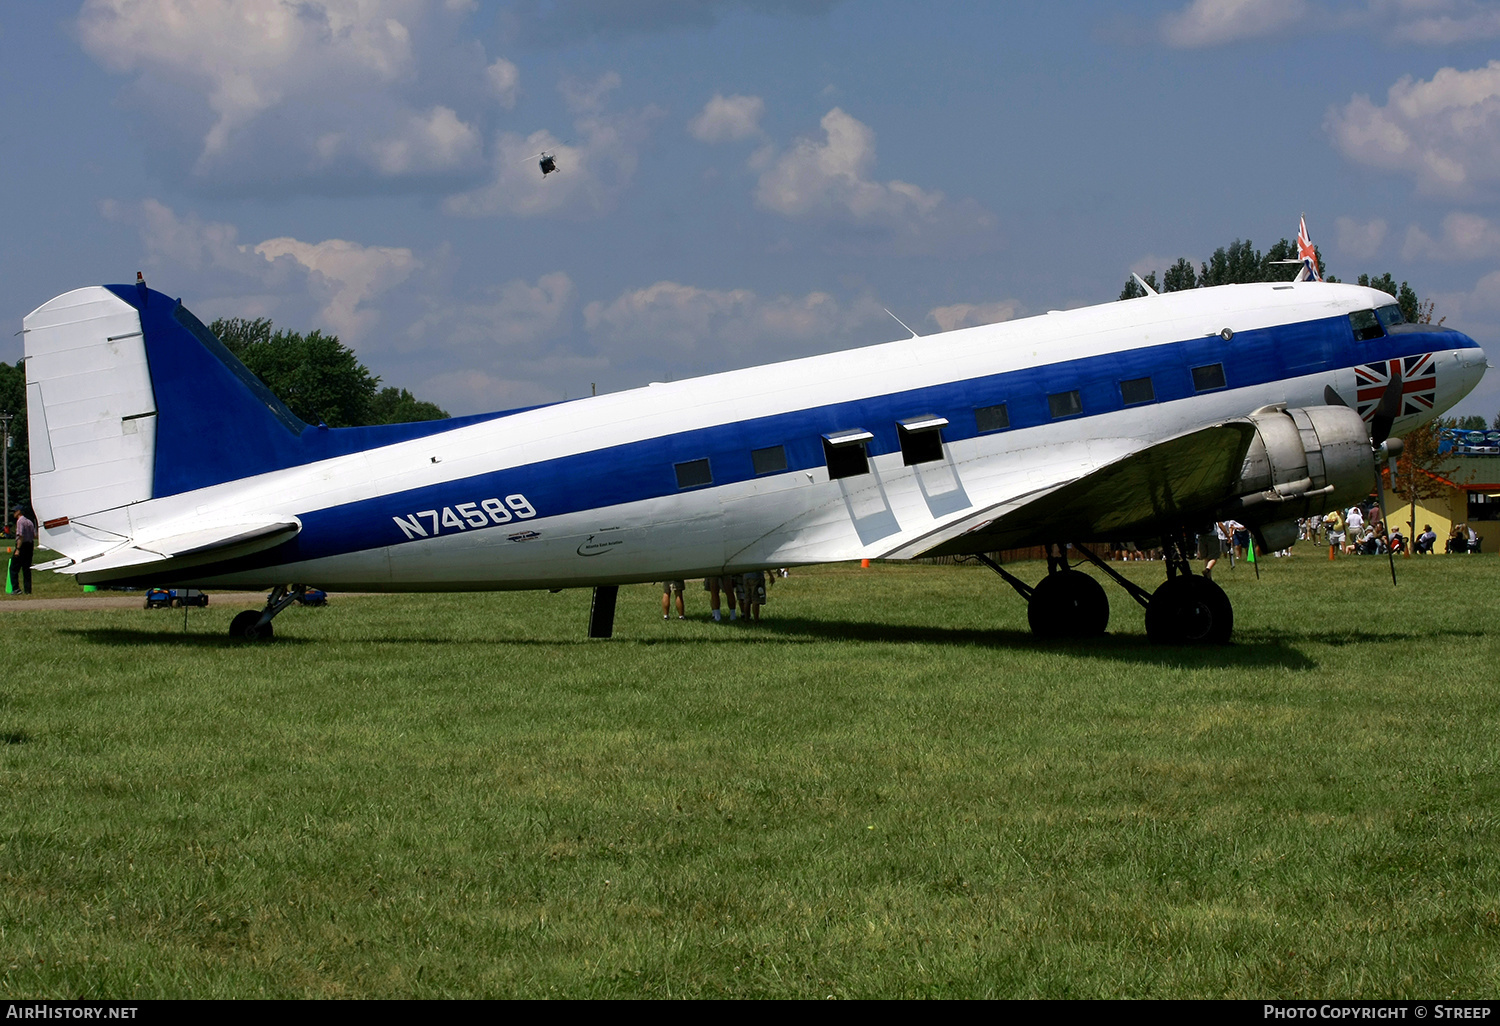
[(1471, 365)]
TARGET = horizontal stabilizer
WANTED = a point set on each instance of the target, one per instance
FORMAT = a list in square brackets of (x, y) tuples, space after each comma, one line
[(203, 543)]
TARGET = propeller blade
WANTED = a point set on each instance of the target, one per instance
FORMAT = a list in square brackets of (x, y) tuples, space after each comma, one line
[(1389, 408), (1331, 397)]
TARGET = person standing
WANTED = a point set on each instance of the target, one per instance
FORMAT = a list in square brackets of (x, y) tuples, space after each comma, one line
[(669, 589), (20, 563)]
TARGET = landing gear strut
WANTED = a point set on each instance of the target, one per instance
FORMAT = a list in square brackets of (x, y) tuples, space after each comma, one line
[(255, 624), (1064, 604)]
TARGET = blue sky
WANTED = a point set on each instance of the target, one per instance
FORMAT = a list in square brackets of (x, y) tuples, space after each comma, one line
[(742, 180)]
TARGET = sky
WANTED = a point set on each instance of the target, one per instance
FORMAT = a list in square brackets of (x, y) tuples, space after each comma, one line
[(740, 180)]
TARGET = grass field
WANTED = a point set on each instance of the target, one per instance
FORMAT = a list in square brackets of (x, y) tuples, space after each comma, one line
[(886, 789)]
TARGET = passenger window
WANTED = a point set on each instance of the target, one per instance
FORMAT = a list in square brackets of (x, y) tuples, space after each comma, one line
[(771, 460), (694, 474), (1137, 390), (845, 453), (991, 418), (1366, 325), (921, 439), (1208, 377), (1065, 404)]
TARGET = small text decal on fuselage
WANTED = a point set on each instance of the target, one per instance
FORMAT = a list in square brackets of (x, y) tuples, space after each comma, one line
[(466, 516)]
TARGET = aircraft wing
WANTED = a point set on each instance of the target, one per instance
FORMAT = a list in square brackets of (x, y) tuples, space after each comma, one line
[(1177, 481), (188, 546)]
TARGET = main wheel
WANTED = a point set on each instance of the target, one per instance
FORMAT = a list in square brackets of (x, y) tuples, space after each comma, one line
[(1189, 611), (247, 625), (1068, 604)]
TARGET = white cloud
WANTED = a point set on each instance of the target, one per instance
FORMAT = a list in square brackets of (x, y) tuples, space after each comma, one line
[(514, 314), (1214, 22), (429, 142), (829, 180), (1360, 239), (728, 119), (588, 97), (505, 79), (345, 276), (342, 278), (1440, 22), (1465, 237), (185, 243), (1444, 133), (281, 96), (966, 315), (829, 176), (692, 321)]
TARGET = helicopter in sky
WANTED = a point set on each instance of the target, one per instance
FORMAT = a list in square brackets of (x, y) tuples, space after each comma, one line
[(548, 163)]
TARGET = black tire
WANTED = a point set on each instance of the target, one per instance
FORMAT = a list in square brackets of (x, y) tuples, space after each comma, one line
[(1189, 611), (247, 626), (1068, 604)]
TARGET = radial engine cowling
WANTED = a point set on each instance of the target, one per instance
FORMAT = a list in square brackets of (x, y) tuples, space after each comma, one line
[(1302, 463)]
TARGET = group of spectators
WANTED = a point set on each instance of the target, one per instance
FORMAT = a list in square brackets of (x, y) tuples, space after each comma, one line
[(1360, 532), (744, 594)]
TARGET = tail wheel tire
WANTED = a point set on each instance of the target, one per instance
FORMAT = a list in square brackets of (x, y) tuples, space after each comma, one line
[(1068, 605), (1189, 611)]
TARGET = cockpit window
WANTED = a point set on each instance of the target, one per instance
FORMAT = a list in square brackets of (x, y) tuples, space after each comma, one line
[(1390, 316), (1366, 325)]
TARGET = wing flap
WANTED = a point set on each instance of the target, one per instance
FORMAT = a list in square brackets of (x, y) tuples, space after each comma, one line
[(1180, 480)]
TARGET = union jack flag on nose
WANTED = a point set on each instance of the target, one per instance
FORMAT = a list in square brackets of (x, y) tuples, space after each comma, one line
[(1418, 384), (1307, 253)]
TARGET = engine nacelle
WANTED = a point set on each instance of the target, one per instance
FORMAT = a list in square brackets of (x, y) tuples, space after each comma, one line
[(1302, 463)]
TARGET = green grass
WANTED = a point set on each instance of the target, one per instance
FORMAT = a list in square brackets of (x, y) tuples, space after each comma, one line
[(885, 789)]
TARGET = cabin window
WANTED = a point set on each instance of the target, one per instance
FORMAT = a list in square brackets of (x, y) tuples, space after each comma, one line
[(694, 474), (1366, 325), (1390, 316), (771, 460), (991, 418), (1137, 390), (1208, 377), (921, 439), (845, 453), (1065, 404)]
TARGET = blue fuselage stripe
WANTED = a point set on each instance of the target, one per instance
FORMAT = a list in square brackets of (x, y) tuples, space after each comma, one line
[(643, 470)]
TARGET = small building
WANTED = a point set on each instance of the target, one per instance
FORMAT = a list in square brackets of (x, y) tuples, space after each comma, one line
[(1472, 497)]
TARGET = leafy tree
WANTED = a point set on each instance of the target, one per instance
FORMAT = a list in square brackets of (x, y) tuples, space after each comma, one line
[(1473, 422), (1179, 276), (318, 377), (1236, 263), (17, 459), (398, 406), (1132, 290), (1419, 473)]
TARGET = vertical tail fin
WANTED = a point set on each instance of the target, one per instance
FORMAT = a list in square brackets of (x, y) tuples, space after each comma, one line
[(91, 411)]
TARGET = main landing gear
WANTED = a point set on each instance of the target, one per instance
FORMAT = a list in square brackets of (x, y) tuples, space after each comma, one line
[(255, 624), (1184, 610)]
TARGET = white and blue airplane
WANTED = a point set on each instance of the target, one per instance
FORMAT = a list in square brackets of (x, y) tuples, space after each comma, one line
[(157, 458)]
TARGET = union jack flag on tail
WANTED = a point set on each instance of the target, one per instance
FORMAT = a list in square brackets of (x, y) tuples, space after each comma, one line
[(1307, 253), (1418, 385)]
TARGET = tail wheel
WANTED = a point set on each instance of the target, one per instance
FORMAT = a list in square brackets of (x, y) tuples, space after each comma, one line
[(247, 625), (1068, 604), (1189, 611)]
